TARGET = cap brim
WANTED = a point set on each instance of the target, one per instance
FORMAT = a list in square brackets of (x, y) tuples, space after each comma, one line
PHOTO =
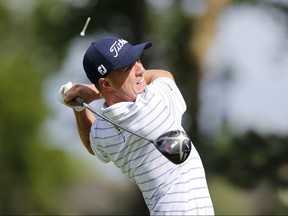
[(132, 55)]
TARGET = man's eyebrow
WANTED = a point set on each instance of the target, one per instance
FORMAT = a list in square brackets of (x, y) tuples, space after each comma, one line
[(130, 65), (124, 68)]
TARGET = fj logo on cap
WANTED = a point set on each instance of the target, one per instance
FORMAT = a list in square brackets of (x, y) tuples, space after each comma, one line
[(102, 70), (117, 45)]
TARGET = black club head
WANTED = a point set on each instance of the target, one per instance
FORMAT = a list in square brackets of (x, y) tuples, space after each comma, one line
[(174, 145)]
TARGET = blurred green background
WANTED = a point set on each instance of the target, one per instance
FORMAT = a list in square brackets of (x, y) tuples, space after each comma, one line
[(229, 59)]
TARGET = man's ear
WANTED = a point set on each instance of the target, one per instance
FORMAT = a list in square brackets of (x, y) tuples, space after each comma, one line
[(105, 84)]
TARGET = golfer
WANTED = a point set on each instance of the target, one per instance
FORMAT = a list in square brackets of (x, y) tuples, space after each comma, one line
[(149, 103)]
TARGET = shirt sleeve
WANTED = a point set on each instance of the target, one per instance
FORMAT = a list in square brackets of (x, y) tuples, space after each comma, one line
[(170, 93), (98, 150)]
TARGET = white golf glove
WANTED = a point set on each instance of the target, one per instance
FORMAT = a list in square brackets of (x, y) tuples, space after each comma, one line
[(63, 89)]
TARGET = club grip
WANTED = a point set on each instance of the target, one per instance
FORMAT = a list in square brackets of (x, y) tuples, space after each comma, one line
[(79, 100)]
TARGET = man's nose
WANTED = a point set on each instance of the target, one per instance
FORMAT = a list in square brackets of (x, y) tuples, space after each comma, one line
[(139, 68)]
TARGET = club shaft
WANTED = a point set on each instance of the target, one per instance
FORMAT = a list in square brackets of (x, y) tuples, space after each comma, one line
[(87, 106)]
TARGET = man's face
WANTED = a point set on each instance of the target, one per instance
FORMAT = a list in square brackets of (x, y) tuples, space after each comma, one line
[(128, 82)]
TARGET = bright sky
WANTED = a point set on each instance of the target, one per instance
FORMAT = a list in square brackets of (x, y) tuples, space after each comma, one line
[(246, 77)]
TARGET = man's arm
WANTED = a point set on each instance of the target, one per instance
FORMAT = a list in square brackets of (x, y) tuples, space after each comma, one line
[(86, 91), (151, 75), (84, 120)]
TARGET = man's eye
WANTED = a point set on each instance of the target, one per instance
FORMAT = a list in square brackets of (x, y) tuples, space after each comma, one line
[(127, 69)]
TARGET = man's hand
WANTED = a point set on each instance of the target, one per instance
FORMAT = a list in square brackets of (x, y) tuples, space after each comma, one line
[(69, 91), (62, 94)]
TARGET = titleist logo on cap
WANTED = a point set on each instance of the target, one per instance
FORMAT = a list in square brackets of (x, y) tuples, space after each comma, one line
[(117, 45), (108, 54)]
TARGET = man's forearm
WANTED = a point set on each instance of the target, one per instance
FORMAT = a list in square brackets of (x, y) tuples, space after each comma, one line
[(151, 75), (84, 120)]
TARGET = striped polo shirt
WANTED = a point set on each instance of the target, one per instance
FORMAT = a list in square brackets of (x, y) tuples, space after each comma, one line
[(167, 188)]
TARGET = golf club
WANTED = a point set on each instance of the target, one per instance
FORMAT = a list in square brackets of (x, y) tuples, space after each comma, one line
[(174, 145)]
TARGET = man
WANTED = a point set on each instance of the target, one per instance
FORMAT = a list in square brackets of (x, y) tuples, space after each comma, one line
[(149, 103)]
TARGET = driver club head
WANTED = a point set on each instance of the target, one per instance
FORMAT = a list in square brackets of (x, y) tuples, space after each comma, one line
[(174, 145)]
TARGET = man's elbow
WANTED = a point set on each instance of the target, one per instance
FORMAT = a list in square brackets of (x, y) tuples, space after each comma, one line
[(155, 74), (88, 147), (164, 73), (91, 151), (169, 75)]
